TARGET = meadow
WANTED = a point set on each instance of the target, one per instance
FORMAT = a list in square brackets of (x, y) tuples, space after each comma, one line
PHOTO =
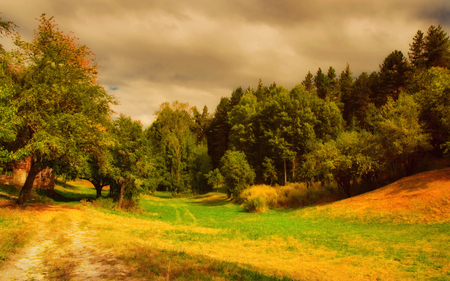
[(208, 237)]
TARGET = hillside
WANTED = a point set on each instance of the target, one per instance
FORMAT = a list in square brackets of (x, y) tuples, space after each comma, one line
[(424, 197)]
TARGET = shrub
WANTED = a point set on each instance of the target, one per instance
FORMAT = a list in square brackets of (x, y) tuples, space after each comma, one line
[(106, 203), (259, 198)]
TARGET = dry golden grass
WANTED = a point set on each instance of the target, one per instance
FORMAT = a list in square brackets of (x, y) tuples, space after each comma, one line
[(143, 245), (422, 198)]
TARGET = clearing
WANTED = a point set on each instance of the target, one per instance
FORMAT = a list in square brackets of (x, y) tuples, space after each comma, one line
[(399, 232)]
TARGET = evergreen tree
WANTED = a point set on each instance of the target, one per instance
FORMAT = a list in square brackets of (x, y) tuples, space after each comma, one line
[(394, 74), (308, 82), (321, 83), (417, 51), (437, 48)]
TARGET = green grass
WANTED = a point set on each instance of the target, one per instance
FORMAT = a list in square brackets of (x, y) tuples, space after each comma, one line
[(75, 192), (9, 189), (418, 249)]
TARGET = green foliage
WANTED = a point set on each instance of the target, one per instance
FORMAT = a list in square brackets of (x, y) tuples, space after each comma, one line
[(394, 74), (172, 142), (400, 133), (215, 178), (269, 170), (344, 160), (434, 100), (219, 129), (199, 166), (129, 165), (236, 172), (56, 107)]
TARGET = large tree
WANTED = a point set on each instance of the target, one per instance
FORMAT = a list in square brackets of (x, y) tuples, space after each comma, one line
[(56, 97), (129, 165)]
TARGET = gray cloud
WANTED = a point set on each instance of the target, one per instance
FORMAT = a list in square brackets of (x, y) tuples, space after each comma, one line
[(197, 51)]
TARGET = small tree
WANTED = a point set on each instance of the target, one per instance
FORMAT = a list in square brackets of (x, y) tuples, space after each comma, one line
[(215, 178), (199, 166), (400, 133), (236, 172), (344, 160), (270, 171)]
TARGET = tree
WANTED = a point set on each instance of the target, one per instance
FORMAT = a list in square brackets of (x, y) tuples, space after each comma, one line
[(236, 172), (432, 50), (59, 103), (345, 83), (215, 178), (308, 82), (269, 170), (219, 130), (333, 87), (199, 166), (437, 48), (320, 82), (201, 124), (356, 103), (394, 74), (399, 131), (129, 164), (434, 100), (344, 160), (241, 120), (178, 140), (417, 51)]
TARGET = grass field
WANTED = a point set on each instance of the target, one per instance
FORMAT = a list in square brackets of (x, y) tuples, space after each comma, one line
[(400, 232)]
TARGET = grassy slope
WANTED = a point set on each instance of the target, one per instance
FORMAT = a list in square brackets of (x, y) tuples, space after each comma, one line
[(398, 232)]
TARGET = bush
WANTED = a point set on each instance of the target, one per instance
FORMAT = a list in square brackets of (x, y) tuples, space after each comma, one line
[(106, 203), (260, 198)]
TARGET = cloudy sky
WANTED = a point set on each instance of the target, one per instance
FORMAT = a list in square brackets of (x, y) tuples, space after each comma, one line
[(198, 51)]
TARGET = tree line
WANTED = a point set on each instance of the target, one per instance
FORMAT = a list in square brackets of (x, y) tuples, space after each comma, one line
[(328, 128)]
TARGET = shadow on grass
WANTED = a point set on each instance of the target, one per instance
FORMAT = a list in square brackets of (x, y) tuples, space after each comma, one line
[(211, 199), (10, 189), (153, 264), (66, 185)]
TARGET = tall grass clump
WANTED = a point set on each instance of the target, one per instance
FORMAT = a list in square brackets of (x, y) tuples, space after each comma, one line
[(260, 198)]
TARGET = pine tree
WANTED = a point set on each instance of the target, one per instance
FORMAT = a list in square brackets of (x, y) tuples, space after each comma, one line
[(417, 51), (437, 48), (308, 82)]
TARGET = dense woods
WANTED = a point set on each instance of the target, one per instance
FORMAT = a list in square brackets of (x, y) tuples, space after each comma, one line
[(330, 128)]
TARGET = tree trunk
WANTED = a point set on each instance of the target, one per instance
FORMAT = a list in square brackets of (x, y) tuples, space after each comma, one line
[(26, 189), (285, 176), (98, 188), (122, 188)]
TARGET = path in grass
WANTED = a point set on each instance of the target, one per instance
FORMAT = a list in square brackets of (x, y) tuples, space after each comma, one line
[(62, 249)]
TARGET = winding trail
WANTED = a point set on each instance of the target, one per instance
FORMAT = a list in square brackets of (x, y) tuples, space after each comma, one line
[(62, 251)]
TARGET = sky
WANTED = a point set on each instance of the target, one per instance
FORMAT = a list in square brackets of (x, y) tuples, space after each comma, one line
[(198, 51)]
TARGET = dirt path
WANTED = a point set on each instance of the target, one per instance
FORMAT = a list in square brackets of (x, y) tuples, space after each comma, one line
[(62, 249)]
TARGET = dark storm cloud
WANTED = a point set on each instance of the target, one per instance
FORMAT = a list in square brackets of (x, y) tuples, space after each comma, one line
[(199, 50)]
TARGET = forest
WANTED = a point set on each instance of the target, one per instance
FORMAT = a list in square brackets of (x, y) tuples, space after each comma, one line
[(353, 132)]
